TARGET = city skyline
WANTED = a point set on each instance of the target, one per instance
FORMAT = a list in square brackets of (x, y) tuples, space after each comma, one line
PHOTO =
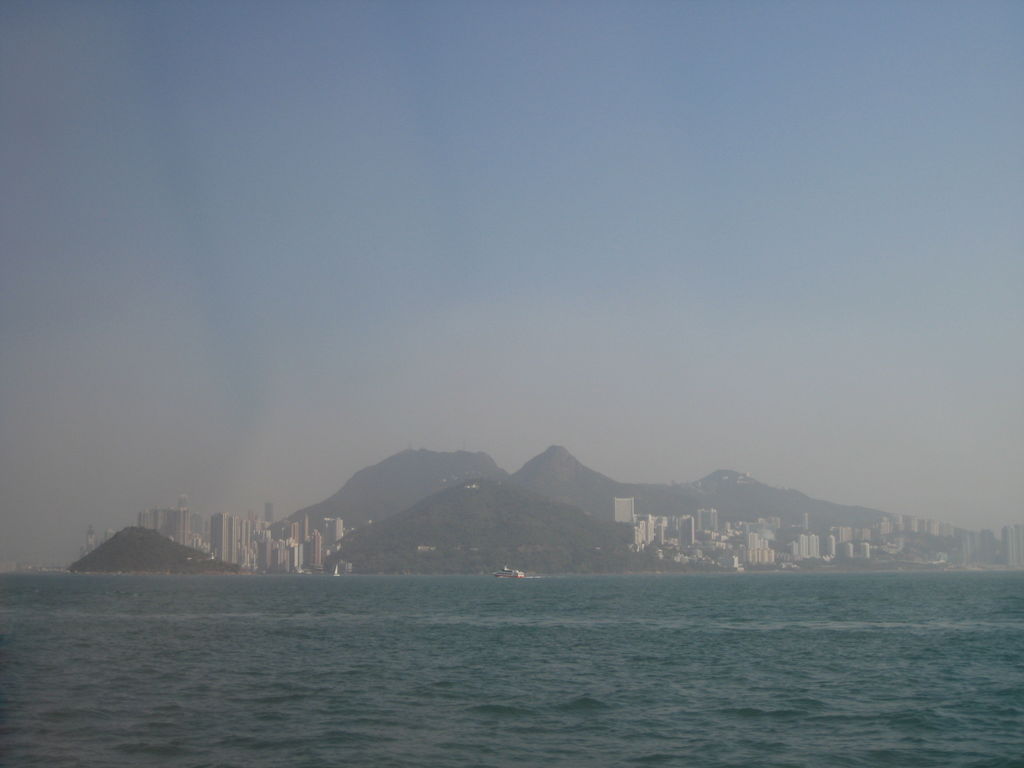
[(311, 543), (248, 250), (254, 547)]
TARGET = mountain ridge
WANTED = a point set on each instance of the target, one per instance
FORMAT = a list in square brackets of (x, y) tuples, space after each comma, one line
[(398, 482), (394, 484)]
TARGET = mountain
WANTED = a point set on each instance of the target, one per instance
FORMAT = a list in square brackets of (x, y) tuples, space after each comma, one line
[(479, 526), (558, 475), (141, 550), (395, 484), (400, 481), (738, 496)]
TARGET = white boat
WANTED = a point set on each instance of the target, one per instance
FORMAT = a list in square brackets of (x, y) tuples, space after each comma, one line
[(510, 573)]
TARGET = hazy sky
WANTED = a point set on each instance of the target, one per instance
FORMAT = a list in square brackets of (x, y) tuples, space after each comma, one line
[(247, 249)]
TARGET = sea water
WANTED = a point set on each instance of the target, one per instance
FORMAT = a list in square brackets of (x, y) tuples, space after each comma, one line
[(729, 670)]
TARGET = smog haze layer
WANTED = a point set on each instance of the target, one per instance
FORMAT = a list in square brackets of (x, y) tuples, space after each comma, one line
[(248, 249)]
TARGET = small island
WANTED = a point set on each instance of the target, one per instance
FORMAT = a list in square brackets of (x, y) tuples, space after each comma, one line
[(140, 550)]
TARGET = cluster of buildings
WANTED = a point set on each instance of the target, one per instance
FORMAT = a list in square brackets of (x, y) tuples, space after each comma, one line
[(252, 542), (701, 539)]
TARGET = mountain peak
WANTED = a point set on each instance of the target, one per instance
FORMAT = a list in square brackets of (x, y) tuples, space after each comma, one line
[(728, 476), (556, 450), (398, 482), (724, 478), (559, 475), (557, 453), (555, 462)]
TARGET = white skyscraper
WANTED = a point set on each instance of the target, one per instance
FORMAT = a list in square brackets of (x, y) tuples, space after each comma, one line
[(806, 546), (625, 510)]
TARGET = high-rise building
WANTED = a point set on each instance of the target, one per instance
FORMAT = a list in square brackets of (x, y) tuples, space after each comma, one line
[(281, 557), (646, 530), (268, 512), (175, 522), (763, 555), (314, 551), (182, 518), (988, 549), (648, 527), (222, 537), (813, 545), (830, 545), (1013, 545), (334, 530), (235, 539), (265, 554), (712, 521), (806, 546), (687, 530), (625, 510), (757, 550), (148, 519), (244, 543), (660, 529), (968, 541)]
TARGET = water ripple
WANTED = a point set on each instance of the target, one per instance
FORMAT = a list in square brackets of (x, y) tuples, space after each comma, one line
[(857, 671)]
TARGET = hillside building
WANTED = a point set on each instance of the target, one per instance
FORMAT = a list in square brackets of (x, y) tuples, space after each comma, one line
[(625, 510)]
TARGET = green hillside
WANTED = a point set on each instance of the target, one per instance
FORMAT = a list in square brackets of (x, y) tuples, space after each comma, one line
[(140, 550), (479, 526), (398, 482)]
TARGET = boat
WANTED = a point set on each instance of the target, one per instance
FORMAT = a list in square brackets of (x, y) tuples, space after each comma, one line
[(510, 573)]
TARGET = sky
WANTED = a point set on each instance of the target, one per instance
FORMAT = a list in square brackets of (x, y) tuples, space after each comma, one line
[(249, 248)]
